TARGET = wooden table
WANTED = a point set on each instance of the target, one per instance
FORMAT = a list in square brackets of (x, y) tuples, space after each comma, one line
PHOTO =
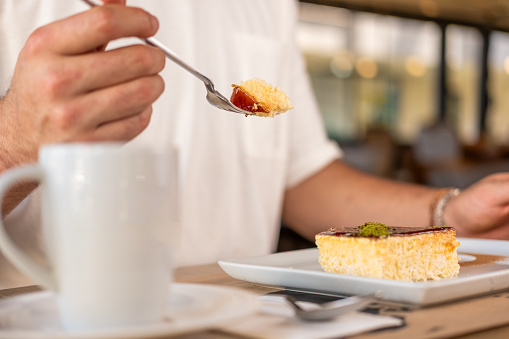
[(481, 317)]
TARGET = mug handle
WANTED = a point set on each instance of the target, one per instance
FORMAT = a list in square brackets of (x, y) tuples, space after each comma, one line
[(17, 257)]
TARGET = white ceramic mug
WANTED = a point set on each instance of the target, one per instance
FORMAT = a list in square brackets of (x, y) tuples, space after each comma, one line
[(109, 215)]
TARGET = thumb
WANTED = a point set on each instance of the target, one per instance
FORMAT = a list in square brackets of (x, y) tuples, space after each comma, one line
[(111, 2)]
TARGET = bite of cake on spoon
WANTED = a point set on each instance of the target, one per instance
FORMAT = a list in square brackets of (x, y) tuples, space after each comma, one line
[(260, 97)]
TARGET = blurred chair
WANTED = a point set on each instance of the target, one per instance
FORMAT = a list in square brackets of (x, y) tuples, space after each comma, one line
[(374, 154), (437, 146)]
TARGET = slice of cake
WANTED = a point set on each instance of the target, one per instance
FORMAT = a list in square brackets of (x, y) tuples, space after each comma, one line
[(260, 97), (400, 253)]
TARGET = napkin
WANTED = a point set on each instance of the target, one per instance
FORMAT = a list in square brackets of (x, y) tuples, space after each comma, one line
[(276, 320)]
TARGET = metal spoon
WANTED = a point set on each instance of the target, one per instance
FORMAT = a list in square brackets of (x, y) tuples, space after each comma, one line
[(213, 96), (328, 310)]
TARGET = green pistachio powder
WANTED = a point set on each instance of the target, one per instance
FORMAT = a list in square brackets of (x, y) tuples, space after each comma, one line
[(374, 229)]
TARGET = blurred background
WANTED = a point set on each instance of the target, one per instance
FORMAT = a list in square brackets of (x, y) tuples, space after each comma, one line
[(413, 90), (416, 90)]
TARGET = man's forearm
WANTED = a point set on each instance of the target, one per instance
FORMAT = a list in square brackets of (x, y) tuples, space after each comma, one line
[(18, 192), (15, 196), (10, 158), (342, 196)]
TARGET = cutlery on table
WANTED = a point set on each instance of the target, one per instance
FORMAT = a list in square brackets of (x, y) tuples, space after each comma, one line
[(326, 311)]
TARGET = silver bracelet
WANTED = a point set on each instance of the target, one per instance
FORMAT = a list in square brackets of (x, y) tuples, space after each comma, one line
[(440, 206)]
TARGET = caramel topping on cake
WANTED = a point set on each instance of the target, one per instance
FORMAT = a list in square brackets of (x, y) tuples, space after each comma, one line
[(260, 97), (246, 102), (379, 230)]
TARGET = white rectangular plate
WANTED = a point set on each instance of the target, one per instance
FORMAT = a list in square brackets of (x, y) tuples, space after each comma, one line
[(484, 268)]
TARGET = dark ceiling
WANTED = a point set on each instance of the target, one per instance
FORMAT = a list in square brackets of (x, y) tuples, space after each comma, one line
[(485, 14)]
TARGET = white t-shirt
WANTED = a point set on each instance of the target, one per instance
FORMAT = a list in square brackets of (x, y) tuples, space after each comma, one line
[(233, 169)]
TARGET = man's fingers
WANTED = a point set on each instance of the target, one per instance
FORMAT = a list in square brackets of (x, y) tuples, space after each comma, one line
[(92, 29), (89, 111), (124, 129), (126, 99), (105, 69), (118, 2), (496, 233)]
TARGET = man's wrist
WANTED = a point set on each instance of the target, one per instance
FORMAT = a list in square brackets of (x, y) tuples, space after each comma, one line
[(437, 205)]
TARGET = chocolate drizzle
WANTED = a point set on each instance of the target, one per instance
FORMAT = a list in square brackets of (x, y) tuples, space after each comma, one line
[(393, 231)]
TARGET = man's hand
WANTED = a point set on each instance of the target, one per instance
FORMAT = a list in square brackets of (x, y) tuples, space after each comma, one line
[(66, 88), (482, 210)]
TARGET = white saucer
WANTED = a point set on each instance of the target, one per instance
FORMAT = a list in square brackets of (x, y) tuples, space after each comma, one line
[(191, 307)]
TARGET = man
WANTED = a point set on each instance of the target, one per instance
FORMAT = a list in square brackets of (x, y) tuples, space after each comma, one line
[(238, 175)]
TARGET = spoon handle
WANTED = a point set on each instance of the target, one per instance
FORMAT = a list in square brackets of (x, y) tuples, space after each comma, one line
[(168, 52)]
